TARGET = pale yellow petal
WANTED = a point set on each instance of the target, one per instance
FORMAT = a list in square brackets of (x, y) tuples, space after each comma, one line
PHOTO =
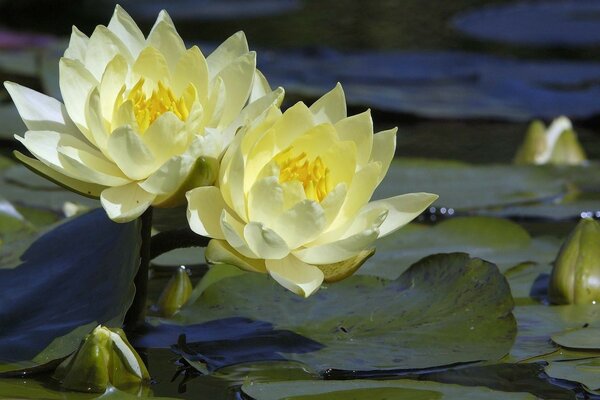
[(228, 51), (339, 250), (301, 223), (260, 87), (331, 107), (220, 252), (125, 203), (131, 154), (265, 242), (237, 78), (76, 83), (384, 146), (402, 209), (358, 129), (215, 104), (103, 46), (205, 206), (166, 137), (192, 69), (111, 85), (151, 65), (40, 112), (233, 230), (165, 38), (77, 45), (96, 123), (265, 201), (125, 28), (83, 188), (295, 275), (167, 179)]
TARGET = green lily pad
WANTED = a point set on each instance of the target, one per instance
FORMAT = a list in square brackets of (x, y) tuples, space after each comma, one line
[(372, 390), (367, 323), (585, 371), (521, 279), (584, 338), (499, 241), (538, 323), (465, 187)]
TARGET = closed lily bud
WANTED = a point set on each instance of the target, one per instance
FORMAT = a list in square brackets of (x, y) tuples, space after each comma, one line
[(176, 293), (556, 145), (575, 278), (104, 359)]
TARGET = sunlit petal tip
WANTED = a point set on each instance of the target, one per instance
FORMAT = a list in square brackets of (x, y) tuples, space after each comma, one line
[(298, 277)]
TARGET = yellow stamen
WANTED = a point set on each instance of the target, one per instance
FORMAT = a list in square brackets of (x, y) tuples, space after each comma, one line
[(313, 175), (162, 100)]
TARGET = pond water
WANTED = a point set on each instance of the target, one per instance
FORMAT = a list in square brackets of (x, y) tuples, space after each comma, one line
[(459, 87)]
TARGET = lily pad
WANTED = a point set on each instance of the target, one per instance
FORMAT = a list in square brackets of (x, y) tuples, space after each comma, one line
[(499, 241), (538, 323), (366, 323), (542, 23), (585, 371), (584, 338), (70, 277), (371, 390)]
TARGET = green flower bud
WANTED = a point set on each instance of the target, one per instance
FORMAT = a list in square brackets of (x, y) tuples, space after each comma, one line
[(575, 277), (105, 358), (557, 145), (176, 293)]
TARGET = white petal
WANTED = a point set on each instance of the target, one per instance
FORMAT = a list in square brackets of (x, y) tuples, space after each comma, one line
[(215, 104), (331, 107), (234, 234), (94, 120), (40, 112), (265, 201), (77, 45), (166, 137), (191, 68), (76, 83), (205, 206), (123, 26), (131, 154), (235, 46), (103, 46), (83, 188), (112, 85), (339, 250), (125, 203), (237, 78), (260, 87), (169, 177), (220, 252), (151, 65), (401, 210), (294, 275), (301, 223), (265, 242), (358, 129), (384, 146), (165, 38)]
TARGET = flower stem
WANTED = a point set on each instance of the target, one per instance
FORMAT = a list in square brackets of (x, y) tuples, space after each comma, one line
[(137, 312)]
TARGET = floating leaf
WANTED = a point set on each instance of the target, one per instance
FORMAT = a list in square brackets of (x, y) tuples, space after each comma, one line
[(372, 390), (585, 371), (585, 338), (78, 274), (366, 323), (499, 241)]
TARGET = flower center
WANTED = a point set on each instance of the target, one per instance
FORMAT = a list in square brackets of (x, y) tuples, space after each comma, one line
[(162, 99), (313, 174)]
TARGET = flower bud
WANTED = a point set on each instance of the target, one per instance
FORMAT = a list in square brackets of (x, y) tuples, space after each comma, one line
[(575, 277), (557, 145), (105, 358), (176, 293)]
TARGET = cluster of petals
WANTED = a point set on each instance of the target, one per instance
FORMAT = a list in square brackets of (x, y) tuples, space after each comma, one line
[(143, 119), (293, 195), (147, 122)]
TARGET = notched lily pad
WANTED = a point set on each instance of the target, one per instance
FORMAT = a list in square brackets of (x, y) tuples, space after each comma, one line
[(366, 323)]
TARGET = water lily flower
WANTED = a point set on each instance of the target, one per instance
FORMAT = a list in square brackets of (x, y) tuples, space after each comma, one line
[(293, 195), (575, 278), (144, 119), (556, 145), (105, 358)]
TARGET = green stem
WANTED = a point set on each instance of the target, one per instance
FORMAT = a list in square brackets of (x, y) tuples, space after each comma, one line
[(137, 312)]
